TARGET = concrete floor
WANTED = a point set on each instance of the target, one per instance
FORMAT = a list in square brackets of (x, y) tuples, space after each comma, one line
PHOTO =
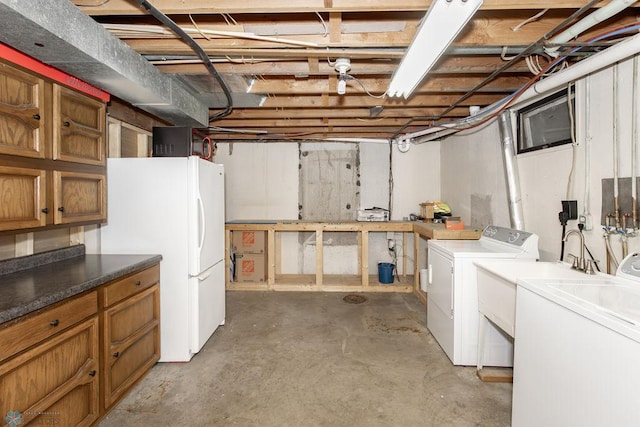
[(310, 359)]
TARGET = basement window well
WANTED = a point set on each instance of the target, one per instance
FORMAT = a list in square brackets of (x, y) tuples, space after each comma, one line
[(546, 123)]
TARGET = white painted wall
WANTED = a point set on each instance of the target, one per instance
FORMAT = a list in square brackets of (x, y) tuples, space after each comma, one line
[(261, 180), (472, 168), (472, 177), (416, 178)]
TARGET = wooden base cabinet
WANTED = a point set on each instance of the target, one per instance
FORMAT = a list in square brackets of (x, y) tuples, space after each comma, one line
[(132, 342), (131, 338), (68, 365), (56, 382)]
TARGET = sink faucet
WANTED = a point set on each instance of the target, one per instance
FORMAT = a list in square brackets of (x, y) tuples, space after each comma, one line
[(581, 263)]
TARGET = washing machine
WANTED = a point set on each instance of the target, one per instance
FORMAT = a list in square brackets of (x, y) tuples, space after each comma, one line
[(452, 294)]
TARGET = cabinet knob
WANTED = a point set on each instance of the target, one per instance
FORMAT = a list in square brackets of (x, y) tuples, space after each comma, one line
[(66, 124), (61, 208), (45, 211), (54, 322), (116, 354), (92, 373), (138, 283), (36, 116)]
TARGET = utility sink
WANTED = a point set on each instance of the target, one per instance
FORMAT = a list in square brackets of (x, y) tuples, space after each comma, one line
[(497, 286), (618, 298)]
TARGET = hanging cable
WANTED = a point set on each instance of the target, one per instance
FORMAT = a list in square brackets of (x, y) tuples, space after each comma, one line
[(350, 77), (165, 20)]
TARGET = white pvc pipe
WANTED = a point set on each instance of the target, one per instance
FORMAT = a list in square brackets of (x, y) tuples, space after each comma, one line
[(587, 147), (605, 12), (616, 117), (634, 142)]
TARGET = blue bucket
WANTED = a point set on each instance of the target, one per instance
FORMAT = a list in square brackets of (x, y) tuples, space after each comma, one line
[(385, 272)]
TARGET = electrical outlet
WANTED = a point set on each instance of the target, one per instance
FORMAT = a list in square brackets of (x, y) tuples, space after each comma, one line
[(587, 221)]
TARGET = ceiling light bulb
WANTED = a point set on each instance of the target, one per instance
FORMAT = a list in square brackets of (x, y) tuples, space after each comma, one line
[(342, 86)]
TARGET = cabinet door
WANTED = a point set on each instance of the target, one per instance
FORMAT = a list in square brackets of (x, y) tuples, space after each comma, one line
[(56, 383), (22, 120), (79, 197), (78, 127), (22, 198), (131, 342)]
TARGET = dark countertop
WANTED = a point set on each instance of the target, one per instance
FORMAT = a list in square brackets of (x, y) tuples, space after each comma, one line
[(45, 279)]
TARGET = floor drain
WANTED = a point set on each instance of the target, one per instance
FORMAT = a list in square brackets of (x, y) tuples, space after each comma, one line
[(354, 299)]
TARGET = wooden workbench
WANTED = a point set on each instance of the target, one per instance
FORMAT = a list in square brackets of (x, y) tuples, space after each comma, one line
[(340, 283)]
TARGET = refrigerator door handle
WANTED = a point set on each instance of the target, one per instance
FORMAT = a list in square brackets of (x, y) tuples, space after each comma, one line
[(203, 224), (204, 275)]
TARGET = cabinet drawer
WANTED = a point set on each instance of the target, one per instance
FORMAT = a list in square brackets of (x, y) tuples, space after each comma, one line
[(131, 285), (57, 382), (34, 328)]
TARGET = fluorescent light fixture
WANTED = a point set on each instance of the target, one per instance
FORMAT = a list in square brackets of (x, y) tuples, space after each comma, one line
[(442, 23)]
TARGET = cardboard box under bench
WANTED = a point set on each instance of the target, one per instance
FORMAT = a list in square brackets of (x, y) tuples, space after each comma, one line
[(250, 267), (253, 242)]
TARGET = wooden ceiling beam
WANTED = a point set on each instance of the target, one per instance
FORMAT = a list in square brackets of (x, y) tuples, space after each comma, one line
[(437, 84), (485, 30), (350, 101), (317, 122), (306, 113), (126, 7), (449, 65)]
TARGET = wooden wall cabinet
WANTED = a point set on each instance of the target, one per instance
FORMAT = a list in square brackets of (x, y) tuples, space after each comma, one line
[(79, 197), (22, 116), (56, 380), (23, 201), (52, 153), (78, 127), (131, 332)]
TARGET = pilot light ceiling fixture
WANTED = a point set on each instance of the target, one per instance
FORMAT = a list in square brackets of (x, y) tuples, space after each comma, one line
[(342, 66), (442, 23)]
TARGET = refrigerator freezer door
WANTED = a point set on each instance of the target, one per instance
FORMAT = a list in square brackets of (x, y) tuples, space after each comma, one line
[(206, 214), (207, 305)]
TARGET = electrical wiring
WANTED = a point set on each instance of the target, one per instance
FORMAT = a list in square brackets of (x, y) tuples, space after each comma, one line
[(324, 25), (142, 29), (529, 20), (350, 77), (574, 145), (164, 19), (102, 3)]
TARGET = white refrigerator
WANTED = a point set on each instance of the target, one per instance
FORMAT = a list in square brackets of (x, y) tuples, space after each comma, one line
[(173, 206)]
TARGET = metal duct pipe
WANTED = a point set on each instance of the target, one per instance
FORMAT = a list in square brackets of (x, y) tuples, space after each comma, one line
[(511, 171)]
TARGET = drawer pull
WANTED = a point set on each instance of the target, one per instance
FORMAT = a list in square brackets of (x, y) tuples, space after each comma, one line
[(45, 211), (66, 124), (138, 283), (92, 373), (116, 354), (36, 116), (54, 322), (61, 208)]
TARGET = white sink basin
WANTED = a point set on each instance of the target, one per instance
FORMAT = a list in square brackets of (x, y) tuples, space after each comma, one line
[(619, 299)]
